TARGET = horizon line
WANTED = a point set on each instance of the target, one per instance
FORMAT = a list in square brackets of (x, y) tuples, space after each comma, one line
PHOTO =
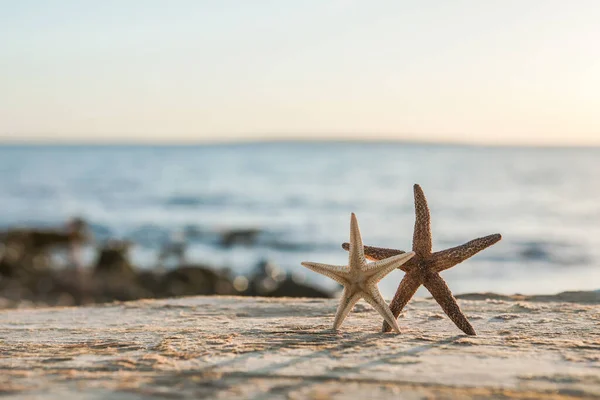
[(238, 141)]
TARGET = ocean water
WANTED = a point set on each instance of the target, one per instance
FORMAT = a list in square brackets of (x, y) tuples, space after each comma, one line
[(544, 201)]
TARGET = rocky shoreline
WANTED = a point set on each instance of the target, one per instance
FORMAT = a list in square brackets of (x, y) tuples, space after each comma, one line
[(65, 287), (29, 276)]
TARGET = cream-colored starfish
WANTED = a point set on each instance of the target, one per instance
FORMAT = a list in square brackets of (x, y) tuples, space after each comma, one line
[(360, 278)]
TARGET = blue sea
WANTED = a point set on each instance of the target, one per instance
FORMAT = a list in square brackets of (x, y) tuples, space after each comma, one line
[(544, 201)]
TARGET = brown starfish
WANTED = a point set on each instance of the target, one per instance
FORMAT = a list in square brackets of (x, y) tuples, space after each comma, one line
[(425, 266)]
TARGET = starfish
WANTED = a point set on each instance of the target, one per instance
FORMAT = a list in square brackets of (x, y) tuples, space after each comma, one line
[(424, 268), (360, 278)]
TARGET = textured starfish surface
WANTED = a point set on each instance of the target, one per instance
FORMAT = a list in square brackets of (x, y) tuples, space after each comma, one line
[(425, 266), (360, 278)]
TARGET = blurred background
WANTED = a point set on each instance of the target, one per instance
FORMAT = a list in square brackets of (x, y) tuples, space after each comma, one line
[(153, 148)]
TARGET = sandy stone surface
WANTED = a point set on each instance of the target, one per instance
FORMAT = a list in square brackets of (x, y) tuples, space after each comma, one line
[(229, 347)]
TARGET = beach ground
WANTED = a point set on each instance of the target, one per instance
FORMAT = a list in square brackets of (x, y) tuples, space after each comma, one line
[(252, 347)]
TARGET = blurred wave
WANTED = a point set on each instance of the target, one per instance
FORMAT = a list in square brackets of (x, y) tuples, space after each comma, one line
[(289, 202)]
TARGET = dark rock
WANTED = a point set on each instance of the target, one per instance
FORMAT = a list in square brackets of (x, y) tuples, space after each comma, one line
[(30, 249), (113, 259), (246, 237), (291, 288), (195, 280), (268, 279)]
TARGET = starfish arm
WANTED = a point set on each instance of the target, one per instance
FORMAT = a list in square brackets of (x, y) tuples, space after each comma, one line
[(406, 290), (378, 269), (336, 272), (347, 302), (442, 294), (449, 258), (422, 233), (374, 298), (357, 255), (379, 253)]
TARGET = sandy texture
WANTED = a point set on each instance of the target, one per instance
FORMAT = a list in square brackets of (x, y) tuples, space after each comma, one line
[(234, 347)]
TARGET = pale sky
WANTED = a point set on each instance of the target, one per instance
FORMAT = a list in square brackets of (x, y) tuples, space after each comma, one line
[(494, 72)]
